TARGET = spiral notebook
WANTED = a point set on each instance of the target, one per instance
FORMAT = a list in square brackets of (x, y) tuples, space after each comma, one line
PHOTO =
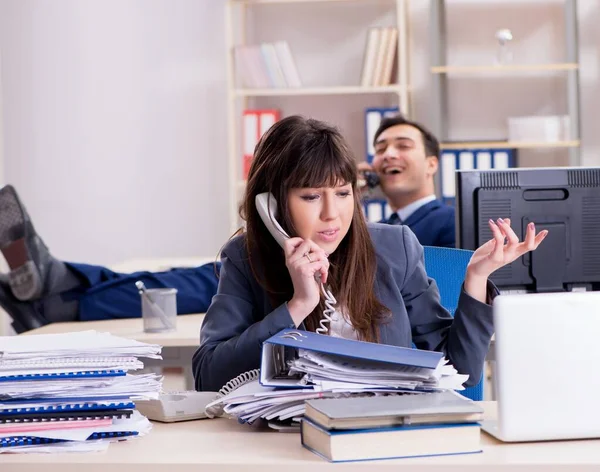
[(58, 416), (32, 440), (21, 408), (60, 362), (61, 375)]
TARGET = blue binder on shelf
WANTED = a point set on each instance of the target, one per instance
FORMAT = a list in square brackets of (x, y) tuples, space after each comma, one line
[(376, 209), (373, 117), (452, 160), (283, 346)]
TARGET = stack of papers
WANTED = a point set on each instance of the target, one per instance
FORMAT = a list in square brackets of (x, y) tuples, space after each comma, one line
[(298, 365), (283, 408), (318, 368), (73, 391)]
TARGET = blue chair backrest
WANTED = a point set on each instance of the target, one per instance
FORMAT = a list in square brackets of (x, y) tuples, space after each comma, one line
[(448, 266)]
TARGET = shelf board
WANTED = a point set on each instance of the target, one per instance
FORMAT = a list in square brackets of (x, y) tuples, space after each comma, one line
[(344, 90), (507, 144), (264, 2), (505, 68)]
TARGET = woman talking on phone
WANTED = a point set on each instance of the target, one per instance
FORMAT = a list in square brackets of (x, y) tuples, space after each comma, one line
[(376, 272)]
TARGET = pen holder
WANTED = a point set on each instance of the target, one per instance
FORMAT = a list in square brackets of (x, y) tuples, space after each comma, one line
[(159, 310)]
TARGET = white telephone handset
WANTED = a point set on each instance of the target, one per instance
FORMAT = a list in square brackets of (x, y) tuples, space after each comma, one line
[(266, 206)]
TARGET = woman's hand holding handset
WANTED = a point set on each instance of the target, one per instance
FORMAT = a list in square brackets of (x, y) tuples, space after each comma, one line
[(308, 266)]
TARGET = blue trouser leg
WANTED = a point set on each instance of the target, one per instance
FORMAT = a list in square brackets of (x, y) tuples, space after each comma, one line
[(105, 294)]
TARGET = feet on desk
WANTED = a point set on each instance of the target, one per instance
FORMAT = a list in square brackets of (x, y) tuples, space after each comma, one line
[(24, 251)]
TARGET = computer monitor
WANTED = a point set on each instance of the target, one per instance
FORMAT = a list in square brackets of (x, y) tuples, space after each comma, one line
[(565, 201)]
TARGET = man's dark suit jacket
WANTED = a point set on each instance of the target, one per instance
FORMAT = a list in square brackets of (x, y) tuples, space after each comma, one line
[(433, 224)]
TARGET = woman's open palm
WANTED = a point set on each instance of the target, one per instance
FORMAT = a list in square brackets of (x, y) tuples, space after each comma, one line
[(504, 248)]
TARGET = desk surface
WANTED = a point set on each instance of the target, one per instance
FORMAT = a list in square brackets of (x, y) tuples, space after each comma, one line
[(225, 445), (187, 333)]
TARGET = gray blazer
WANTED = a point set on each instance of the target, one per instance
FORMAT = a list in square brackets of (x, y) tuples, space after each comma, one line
[(240, 317)]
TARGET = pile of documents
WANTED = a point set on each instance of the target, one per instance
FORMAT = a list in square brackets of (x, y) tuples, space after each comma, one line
[(298, 365), (72, 391)]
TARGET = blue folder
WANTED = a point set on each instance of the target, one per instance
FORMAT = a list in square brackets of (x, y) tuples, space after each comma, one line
[(287, 342)]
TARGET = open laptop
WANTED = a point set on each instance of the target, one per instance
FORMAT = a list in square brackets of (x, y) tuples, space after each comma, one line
[(548, 366)]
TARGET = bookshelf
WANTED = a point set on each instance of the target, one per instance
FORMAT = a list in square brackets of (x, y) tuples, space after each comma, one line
[(441, 71), (238, 23)]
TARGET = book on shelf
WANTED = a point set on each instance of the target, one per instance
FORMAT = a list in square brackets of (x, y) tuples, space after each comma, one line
[(266, 65), (379, 57)]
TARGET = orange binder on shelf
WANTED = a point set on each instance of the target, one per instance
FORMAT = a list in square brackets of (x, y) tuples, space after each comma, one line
[(255, 124)]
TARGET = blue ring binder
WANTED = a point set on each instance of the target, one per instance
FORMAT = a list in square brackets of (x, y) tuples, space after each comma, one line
[(32, 440), (64, 375), (69, 407)]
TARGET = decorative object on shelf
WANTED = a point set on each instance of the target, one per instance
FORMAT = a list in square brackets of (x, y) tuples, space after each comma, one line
[(504, 54), (544, 129)]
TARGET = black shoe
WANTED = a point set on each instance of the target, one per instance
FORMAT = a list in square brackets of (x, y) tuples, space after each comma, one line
[(25, 315), (24, 251)]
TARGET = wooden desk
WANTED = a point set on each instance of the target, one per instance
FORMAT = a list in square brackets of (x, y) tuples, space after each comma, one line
[(178, 346), (225, 445)]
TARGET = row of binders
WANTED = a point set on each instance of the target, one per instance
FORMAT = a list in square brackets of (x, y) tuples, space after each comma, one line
[(354, 400), (266, 65), (73, 391)]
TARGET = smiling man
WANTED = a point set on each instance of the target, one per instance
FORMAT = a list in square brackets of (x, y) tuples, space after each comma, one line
[(406, 161)]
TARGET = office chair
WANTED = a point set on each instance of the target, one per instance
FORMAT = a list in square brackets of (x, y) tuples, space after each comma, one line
[(448, 266)]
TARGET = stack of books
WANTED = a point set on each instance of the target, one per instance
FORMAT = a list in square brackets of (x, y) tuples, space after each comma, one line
[(298, 366), (387, 427), (379, 57), (73, 391), (266, 65)]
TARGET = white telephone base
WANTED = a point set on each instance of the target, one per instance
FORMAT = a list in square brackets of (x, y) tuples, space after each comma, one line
[(176, 406)]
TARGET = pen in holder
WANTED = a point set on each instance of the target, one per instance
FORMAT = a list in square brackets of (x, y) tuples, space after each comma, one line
[(159, 308)]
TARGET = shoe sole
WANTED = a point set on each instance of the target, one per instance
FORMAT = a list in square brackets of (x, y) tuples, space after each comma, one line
[(24, 277)]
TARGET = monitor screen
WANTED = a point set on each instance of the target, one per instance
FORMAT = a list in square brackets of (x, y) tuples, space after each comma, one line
[(565, 201)]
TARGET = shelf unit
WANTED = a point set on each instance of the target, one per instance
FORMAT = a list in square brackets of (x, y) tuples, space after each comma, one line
[(440, 71), (236, 11)]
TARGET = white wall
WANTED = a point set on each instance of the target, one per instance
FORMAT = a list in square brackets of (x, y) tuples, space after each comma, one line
[(115, 113), (115, 125)]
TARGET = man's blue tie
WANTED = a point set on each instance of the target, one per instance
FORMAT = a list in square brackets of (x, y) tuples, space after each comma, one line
[(394, 219)]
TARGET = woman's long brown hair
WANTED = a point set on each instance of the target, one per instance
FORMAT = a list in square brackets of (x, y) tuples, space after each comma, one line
[(298, 153)]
